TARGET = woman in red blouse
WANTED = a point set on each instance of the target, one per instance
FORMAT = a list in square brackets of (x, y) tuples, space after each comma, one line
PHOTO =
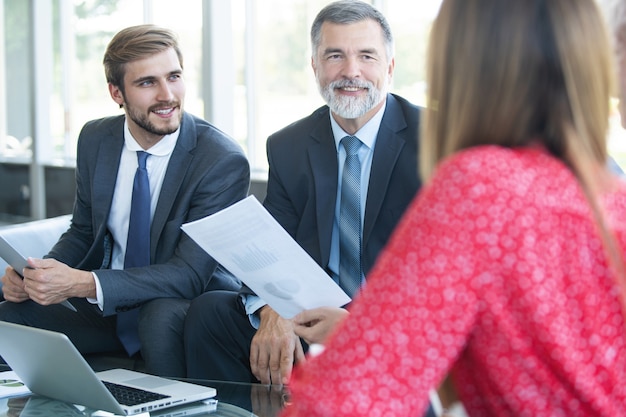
[(507, 272)]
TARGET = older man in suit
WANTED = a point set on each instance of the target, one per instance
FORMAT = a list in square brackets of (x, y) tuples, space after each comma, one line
[(235, 336), (188, 170)]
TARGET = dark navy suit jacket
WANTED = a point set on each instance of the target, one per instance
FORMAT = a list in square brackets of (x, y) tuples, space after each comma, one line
[(303, 172), (207, 171)]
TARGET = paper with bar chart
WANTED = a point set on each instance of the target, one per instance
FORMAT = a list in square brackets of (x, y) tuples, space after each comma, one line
[(253, 246)]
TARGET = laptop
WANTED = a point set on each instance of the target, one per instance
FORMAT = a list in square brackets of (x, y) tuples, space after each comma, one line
[(50, 365)]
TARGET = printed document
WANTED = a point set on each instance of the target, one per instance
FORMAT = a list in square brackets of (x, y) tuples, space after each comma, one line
[(253, 246)]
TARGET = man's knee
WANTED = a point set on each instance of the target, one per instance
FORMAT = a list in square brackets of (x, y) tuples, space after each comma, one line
[(215, 302), (163, 315), (215, 314), (161, 325), (217, 337)]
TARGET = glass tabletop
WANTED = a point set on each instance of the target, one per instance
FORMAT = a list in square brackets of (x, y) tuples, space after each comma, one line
[(233, 400)]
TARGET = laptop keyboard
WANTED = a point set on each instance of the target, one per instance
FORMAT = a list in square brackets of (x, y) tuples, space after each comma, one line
[(132, 396)]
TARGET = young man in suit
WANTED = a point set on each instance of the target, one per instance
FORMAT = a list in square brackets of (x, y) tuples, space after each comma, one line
[(235, 336), (193, 170)]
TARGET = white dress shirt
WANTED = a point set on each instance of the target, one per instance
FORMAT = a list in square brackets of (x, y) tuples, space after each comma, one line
[(119, 216)]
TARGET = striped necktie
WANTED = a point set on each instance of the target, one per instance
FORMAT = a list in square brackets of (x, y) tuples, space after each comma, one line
[(350, 218)]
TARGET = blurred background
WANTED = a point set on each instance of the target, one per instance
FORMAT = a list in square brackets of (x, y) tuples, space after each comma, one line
[(246, 65)]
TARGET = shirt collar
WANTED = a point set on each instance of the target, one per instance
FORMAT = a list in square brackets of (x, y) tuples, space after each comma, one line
[(164, 147), (366, 134)]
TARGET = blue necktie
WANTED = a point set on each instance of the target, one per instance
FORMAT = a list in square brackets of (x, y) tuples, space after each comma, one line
[(137, 250), (350, 218)]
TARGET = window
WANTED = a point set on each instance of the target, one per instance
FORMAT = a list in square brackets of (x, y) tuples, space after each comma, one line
[(273, 61), (247, 68), (15, 78), (76, 33)]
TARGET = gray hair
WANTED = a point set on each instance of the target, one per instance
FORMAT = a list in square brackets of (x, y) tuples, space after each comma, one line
[(346, 12)]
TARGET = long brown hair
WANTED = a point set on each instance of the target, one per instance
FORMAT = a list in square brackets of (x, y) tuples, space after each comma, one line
[(519, 71)]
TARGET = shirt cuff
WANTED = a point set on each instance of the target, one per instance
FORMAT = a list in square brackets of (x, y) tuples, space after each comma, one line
[(99, 300), (253, 303)]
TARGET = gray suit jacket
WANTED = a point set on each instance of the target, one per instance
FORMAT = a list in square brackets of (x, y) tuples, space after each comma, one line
[(303, 172), (207, 172)]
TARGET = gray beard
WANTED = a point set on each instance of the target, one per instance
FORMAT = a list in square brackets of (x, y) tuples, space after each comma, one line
[(350, 107)]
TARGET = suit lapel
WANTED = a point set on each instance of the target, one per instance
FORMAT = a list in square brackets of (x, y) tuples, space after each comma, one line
[(323, 154), (105, 173), (388, 146), (180, 161)]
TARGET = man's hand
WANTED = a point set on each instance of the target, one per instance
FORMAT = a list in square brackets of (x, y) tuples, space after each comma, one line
[(317, 324), (52, 282), (13, 286), (274, 349)]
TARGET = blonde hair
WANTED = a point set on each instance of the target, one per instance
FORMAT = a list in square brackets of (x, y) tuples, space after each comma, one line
[(511, 72), (516, 72)]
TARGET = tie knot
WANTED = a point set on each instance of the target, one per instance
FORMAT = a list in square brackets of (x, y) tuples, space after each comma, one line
[(141, 159), (351, 144)]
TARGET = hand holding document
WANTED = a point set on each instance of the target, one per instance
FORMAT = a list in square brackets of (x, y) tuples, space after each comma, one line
[(19, 262), (250, 243)]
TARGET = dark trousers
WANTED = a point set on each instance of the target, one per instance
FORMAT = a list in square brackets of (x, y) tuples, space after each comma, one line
[(161, 324), (218, 334), (88, 330)]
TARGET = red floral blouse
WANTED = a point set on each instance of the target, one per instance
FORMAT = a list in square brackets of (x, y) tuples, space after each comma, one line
[(497, 275)]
